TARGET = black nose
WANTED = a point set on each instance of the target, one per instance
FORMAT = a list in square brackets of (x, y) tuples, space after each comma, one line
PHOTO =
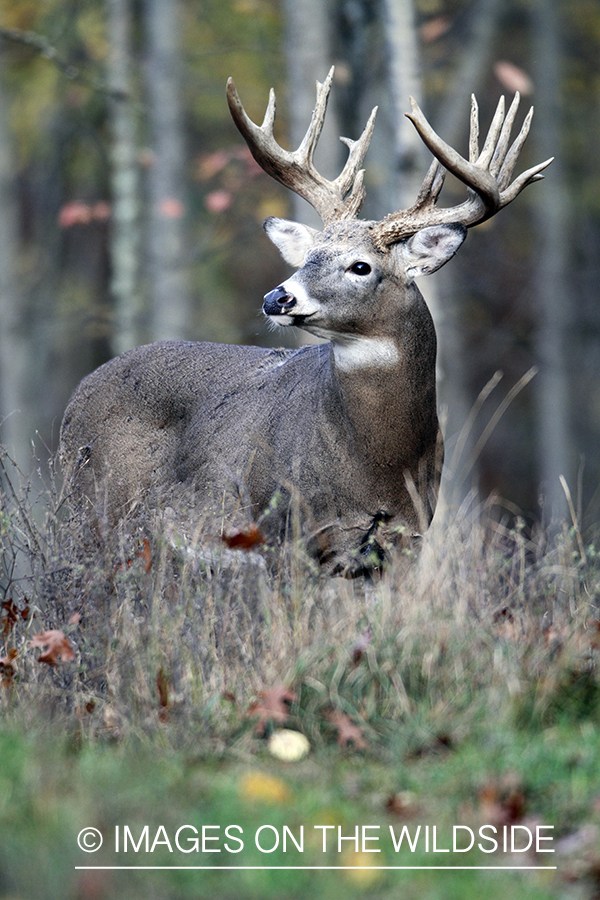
[(278, 302)]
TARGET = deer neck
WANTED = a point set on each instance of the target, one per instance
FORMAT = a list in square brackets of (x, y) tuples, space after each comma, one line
[(388, 385)]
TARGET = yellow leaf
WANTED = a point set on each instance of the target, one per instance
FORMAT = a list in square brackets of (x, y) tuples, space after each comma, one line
[(366, 875), (265, 788)]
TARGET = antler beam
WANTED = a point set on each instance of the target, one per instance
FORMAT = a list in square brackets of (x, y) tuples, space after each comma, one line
[(333, 200), (486, 174)]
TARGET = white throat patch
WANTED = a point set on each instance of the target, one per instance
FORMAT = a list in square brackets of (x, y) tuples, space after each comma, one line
[(358, 352)]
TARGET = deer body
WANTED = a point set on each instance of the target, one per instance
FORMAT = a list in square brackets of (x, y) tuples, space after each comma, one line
[(346, 433), (339, 427)]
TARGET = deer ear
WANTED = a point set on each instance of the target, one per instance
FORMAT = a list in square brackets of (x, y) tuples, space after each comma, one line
[(427, 250), (291, 239)]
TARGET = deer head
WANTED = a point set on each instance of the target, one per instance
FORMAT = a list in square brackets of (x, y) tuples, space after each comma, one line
[(440, 230)]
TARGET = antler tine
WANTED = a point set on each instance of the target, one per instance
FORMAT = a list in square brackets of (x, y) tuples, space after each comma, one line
[(502, 145), (358, 151), (493, 134), (528, 177), (486, 174), (469, 173), (307, 148), (474, 131), (432, 185), (333, 200)]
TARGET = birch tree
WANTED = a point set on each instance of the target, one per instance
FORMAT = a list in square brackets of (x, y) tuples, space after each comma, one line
[(168, 282), (308, 55), (551, 285), (125, 225), (14, 419)]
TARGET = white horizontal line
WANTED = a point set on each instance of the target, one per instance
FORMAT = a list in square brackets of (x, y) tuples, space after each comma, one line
[(315, 868)]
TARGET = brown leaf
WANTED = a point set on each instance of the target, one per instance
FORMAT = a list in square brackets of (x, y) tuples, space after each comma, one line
[(162, 683), (272, 706), (86, 710), (145, 555), (57, 644), (10, 611), (8, 670), (434, 29), (347, 731), (502, 802), (594, 629), (403, 804), (75, 619), (244, 540), (171, 208), (360, 646), (513, 78)]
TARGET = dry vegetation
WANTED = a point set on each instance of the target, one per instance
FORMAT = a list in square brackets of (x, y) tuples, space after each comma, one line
[(149, 629)]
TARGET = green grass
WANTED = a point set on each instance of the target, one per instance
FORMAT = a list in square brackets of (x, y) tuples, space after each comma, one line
[(470, 670)]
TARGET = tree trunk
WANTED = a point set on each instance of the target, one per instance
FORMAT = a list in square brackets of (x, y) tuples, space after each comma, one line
[(451, 124), (551, 285), (411, 157), (125, 224), (167, 247), (308, 60), (15, 421)]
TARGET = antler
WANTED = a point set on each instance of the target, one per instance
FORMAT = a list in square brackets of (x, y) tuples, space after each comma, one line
[(486, 174), (333, 200)]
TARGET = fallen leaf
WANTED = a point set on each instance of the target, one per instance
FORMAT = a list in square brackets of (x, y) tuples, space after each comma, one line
[(502, 801), (272, 706), (360, 646), (145, 555), (57, 644), (347, 731), (260, 786), (162, 683), (594, 629), (86, 710), (361, 867), (8, 670), (244, 540), (10, 611), (403, 804)]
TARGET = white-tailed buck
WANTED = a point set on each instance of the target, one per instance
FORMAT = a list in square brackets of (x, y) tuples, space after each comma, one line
[(346, 432)]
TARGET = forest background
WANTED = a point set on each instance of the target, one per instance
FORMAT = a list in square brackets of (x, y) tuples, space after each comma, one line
[(130, 208)]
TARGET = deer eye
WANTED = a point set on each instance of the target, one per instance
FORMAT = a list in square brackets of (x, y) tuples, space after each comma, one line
[(360, 268)]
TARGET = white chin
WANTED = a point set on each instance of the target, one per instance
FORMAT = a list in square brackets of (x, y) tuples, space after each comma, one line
[(281, 320)]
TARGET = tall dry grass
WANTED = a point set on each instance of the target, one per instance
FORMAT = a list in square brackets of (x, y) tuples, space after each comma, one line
[(173, 638)]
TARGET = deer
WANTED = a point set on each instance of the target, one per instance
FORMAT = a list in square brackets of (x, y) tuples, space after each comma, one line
[(342, 435)]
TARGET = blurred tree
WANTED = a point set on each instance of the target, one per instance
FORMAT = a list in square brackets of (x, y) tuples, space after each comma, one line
[(553, 297), (14, 423), (167, 263), (308, 56), (125, 237)]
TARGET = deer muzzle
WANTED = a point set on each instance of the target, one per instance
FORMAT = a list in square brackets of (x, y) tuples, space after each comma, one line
[(278, 302)]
